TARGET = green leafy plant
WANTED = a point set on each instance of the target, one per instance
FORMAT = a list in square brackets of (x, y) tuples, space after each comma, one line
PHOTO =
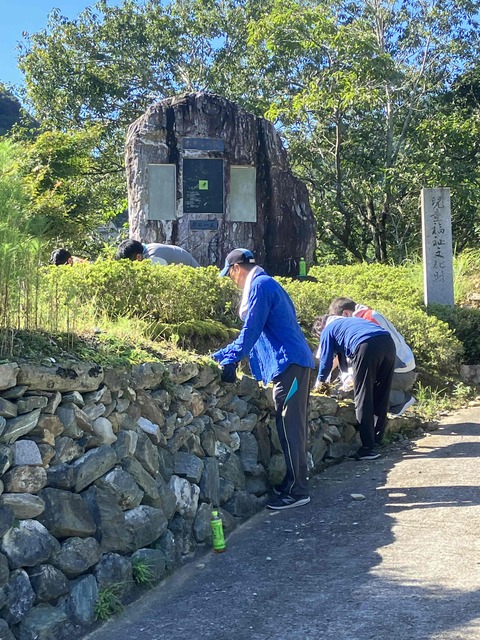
[(463, 392), (168, 294), (108, 603), (466, 267), (143, 574), (21, 249), (432, 401)]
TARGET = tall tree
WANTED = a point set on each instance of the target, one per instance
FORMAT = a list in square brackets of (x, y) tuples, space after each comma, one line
[(350, 82), (72, 183), (112, 61)]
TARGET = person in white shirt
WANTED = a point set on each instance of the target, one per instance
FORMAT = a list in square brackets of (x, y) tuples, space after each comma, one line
[(155, 252)]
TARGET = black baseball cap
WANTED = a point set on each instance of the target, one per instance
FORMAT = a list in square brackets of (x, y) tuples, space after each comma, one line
[(237, 256)]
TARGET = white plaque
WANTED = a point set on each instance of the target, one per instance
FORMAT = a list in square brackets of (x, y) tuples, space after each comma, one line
[(162, 192), (243, 194), (437, 246)]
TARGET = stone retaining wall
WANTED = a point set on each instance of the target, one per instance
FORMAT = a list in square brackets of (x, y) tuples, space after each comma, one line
[(100, 469)]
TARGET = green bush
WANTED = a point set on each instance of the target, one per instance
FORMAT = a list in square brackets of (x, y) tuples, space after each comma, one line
[(168, 294), (370, 283), (464, 323), (435, 346), (365, 283), (398, 292), (202, 336), (393, 291), (310, 299)]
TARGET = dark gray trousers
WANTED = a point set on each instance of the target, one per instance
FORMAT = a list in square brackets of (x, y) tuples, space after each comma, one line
[(402, 384), (291, 391), (373, 364)]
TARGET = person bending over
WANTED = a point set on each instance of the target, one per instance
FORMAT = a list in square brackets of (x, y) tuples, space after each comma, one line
[(278, 353), (404, 375), (371, 351), (62, 256), (158, 253)]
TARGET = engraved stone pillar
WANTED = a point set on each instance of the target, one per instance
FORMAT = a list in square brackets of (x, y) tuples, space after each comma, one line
[(437, 246)]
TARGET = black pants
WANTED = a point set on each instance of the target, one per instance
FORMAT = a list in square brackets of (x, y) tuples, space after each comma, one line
[(290, 393), (373, 365)]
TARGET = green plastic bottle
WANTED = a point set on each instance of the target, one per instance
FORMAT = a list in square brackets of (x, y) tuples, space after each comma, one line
[(219, 544), (302, 268)]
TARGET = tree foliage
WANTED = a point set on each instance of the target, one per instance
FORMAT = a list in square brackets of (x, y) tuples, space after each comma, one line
[(111, 62), (352, 84), (72, 182), (94, 75), (20, 249)]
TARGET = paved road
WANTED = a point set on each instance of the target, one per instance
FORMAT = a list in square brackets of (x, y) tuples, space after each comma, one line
[(403, 564)]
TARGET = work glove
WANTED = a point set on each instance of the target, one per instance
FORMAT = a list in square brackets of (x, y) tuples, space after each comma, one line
[(229, 373), (323, 387)]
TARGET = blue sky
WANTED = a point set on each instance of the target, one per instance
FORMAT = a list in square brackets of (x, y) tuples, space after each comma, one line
[(18, 16)]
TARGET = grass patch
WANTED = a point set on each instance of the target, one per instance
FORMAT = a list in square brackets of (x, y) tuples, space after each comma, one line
[(108, 603), (433, 401), (107, 349), (143, 575)]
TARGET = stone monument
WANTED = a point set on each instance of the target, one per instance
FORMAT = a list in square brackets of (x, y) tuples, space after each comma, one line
[(204, 174), (437, 246)]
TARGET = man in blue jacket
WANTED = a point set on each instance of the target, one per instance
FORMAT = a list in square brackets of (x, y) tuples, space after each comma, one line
[(371, 351), (278, 353)]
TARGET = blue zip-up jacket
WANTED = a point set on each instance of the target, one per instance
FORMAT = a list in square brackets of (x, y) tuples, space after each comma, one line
[(343, 336), (271, 335)]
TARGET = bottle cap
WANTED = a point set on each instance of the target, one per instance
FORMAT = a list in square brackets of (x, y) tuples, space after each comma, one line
[(214, 513)]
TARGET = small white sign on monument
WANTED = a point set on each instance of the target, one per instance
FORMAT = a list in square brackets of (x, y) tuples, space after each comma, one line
[(437, 246)]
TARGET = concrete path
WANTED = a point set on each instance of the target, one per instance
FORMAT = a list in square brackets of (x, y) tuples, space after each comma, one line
[(403, 564)]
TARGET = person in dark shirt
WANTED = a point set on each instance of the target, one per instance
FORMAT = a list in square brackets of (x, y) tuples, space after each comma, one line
[(404, 376), (371, 351), (63, 256)]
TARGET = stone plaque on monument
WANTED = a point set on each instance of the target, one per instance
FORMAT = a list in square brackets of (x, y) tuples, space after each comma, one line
[(203, 144), (162, 190), (204, 225), (202, 185), (243, 194), (437, 246)]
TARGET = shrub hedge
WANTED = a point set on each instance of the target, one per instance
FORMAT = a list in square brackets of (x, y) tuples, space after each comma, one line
[(464, 323), (189, 304), (391, 291), (373, 282), (169, 294)]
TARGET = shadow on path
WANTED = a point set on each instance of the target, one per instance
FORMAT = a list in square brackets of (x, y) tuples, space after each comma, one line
[(401, 564)]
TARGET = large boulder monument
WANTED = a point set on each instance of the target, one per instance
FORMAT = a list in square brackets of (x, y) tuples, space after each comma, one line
[(204, 174)]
